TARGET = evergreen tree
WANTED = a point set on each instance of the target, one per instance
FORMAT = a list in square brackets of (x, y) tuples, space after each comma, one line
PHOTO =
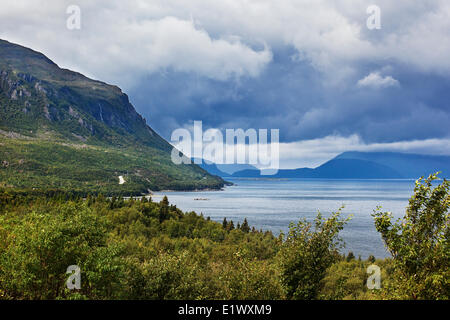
[(225, 223), (164, 209), (165, 202), (89, 200), (350, 257), (100, 198), (245, 227), (112, 204), (120, 202)]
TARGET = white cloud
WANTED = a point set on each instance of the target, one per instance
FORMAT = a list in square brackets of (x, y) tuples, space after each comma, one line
[(218, 39), (314, 152), (121, 42), (376, 80), (172, 43), (118, 43)]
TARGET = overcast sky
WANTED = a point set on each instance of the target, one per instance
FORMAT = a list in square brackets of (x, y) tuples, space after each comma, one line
[(310, 68)]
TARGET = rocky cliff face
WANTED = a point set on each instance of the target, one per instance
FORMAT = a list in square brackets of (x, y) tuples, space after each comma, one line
[(62, 130), (89, 110)]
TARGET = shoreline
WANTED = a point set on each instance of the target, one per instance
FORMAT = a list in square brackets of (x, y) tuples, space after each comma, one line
[(195, 190)]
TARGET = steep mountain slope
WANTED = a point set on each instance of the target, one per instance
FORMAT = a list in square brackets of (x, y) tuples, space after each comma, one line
[(62, 130), (37, 96)]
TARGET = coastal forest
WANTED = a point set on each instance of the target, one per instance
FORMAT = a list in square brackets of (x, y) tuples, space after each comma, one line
[(137, 248)]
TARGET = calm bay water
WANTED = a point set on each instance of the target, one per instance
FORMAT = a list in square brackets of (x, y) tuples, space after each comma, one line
[(273, 204)]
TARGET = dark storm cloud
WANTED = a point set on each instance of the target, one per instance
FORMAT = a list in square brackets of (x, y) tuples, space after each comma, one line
[(310, 68), (291, 96)]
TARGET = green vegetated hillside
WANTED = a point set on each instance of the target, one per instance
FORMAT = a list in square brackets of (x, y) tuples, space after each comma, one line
[(62, 130), (141, 249)]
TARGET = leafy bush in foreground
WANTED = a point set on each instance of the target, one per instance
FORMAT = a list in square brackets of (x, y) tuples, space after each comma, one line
[(141, 249), (307, 253), (419, 243)]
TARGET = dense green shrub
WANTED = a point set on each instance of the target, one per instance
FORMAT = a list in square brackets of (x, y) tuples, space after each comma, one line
[(307, 253), (419, 243), (140, 249)]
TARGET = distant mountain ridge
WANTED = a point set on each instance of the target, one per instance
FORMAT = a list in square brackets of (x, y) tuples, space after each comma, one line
[(366, 165), (62, 130), (407, 165), (223, 170)]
